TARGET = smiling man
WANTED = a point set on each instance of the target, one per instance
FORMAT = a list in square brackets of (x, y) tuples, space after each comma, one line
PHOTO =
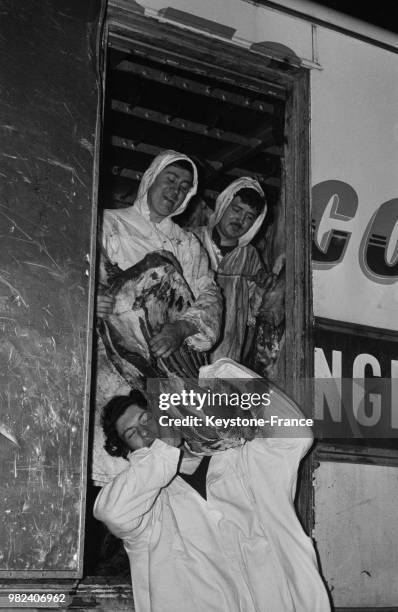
[(129, 234), (169, 190), (132, 236), (239, 212)]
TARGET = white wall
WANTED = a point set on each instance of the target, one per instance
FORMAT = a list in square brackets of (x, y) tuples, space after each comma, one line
[(356, 531)]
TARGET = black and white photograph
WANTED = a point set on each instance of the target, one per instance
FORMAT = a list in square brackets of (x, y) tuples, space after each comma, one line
[(199, 305)]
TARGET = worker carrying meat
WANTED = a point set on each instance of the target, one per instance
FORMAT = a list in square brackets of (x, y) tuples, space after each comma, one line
[(158, 306), (129, 234), (216, 533), (239, 212)]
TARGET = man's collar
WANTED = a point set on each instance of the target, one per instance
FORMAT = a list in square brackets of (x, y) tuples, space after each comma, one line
[(218, 240)]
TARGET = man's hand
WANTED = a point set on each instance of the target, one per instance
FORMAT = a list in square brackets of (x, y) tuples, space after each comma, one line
[(267, 280), (279, 264), (264, 280), (170, 337), (104, 305)]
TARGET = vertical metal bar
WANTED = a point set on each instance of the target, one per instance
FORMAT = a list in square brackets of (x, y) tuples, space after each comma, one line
[(101, 56)]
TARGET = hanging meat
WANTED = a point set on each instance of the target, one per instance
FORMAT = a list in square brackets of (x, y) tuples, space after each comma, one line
[(146, 296)]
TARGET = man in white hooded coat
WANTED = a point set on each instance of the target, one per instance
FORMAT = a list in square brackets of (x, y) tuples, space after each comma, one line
[(128, 235), (131, 233), (234, 224)]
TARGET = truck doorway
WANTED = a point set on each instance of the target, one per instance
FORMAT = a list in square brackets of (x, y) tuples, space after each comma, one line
[(236, 112)]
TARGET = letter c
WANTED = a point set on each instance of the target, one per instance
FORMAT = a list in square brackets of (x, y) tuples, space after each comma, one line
[(334, 204)]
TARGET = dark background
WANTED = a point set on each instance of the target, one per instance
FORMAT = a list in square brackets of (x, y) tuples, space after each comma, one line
[(383, 13)]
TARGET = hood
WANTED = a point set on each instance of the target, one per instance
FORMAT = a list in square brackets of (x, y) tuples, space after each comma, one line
[(226, 197), (158, 164)]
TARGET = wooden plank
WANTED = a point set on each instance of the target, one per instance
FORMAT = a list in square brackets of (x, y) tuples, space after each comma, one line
[(299, 352)]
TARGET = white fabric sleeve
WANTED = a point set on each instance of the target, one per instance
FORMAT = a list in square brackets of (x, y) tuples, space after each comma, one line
[(206, 312), (285, 444), (110, 237), (122, 503), (277, 460)]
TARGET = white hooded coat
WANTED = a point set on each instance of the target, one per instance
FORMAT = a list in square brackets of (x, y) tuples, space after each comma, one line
[(129, 234), (235, 272), (242, 549)]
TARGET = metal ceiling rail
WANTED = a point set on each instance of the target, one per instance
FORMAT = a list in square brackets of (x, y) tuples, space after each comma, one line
[(142, 147), (271, 181), (229, 157), (211, 194), (134, 175), (274, 150), (229, 64), (134, 145), (238, 172), (189, 85), (183, 124)]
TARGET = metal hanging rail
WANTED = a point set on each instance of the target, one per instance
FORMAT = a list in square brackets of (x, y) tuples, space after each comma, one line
[(183, 124), (165, 78), (148, 149), (238, 172)]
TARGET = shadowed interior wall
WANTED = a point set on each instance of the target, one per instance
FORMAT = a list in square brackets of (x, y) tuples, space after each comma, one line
[(48, 107)]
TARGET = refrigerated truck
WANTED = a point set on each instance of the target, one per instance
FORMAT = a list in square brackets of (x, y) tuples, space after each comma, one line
[(339, 193), (318, 92)]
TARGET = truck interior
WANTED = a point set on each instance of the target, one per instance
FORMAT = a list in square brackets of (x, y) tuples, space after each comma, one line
[(231, 123)]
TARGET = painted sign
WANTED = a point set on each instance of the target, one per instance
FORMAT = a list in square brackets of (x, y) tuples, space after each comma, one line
[(356, 390), (354, 173)]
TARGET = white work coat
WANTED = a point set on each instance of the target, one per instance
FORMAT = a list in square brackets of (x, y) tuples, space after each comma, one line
[(128, 235), (235, 273), (241, 550)]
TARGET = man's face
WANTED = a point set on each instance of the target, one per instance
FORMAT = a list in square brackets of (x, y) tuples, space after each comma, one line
[(137, 428), (237, 219), (168, 191)]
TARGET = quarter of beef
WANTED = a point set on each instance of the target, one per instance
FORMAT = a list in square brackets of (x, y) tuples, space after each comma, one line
[(146, 296)]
